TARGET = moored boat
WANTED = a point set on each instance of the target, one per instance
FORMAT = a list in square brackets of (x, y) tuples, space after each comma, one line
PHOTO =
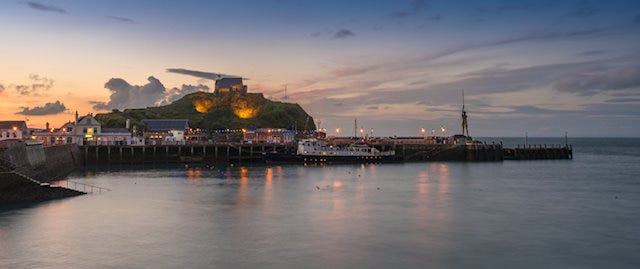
[(318, 151)]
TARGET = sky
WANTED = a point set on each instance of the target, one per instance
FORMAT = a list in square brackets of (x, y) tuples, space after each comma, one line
[(540, 68)]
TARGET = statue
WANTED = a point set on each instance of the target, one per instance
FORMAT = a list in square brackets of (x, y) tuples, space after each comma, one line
[(465, 126)]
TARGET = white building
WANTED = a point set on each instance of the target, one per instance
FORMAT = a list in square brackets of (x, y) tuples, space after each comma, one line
[(84, 131), (13, 130), (166, 131)]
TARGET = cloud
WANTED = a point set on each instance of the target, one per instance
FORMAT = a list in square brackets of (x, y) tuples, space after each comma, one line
[(401, 66), (584, 8), (121, 19), (1, 88), (177, 93), (592, 52), (125, 95), (47, 109), (38, 85), (533, 35), (199, 74), (373, 107), (488, 11), (621, 78), (41, 7), (624, 100), (436, 17), (445, 96), (415, 6), (343, 33)]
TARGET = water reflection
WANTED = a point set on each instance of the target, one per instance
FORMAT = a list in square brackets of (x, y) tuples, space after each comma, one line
[(268, 178), (432, 198), (423, 179), (194, 176), (267, 192), (443, 179), (243, 189)]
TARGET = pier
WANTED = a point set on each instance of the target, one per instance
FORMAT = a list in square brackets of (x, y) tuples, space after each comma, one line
[(189, 153), (539, 152), (253, 153)]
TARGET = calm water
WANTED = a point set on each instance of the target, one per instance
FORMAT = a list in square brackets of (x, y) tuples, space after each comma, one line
[(581, 213)]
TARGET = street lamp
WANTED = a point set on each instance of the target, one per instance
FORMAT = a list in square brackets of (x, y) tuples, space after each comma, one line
[(338, 131), (361, 131), (422, 130), (443, 129)]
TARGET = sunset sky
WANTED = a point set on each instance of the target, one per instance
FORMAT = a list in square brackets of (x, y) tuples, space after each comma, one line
[(541, 67)]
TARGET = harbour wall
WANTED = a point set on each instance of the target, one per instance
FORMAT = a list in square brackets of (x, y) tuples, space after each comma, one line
[(18, 189), (25, 169), (193, 153), (44, 164), (250, 153)]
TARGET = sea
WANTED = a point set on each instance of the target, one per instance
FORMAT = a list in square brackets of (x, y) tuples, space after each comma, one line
[(579, 213)]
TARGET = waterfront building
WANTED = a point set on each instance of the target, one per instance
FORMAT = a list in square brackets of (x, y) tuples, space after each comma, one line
[(84, 131), (269, 135), (166, 130), (13, 130)]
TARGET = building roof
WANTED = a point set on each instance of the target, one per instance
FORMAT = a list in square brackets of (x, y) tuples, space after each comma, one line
[(115, 130), (166, 124), (7, 125), (88, 120)]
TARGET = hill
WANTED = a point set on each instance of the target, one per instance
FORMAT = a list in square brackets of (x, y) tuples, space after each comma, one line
[(218, 111)]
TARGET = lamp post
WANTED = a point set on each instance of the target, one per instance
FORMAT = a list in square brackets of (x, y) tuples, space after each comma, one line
[(361, 131), (422, 130), (337, 131)]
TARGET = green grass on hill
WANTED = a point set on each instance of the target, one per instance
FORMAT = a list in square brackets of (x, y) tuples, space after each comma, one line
[(210, 111)]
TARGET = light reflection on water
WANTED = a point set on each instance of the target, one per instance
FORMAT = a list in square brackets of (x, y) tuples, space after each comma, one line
[(414, 215)]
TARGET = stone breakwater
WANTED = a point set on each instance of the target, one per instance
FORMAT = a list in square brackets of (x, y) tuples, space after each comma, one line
[(16, 189), (25, 168), (44, 164)]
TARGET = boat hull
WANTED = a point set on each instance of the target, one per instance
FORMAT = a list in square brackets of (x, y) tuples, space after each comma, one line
[(281, 158)]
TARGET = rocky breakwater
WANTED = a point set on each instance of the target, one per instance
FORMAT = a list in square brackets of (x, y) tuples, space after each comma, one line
[(26, 167)]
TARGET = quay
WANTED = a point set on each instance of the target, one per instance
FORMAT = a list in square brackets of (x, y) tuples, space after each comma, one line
[(189, 153), (253, 152)]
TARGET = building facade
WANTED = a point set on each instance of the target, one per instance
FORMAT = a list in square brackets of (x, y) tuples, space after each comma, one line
[(166, 131), (84, 131), (11, 130), (268, 135)]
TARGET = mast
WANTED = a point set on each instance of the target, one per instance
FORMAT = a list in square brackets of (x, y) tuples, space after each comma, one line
[(355, 127)]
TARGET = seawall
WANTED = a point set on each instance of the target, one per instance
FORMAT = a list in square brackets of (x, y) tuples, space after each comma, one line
[(25, 167), (44, 164), (16, 189)]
